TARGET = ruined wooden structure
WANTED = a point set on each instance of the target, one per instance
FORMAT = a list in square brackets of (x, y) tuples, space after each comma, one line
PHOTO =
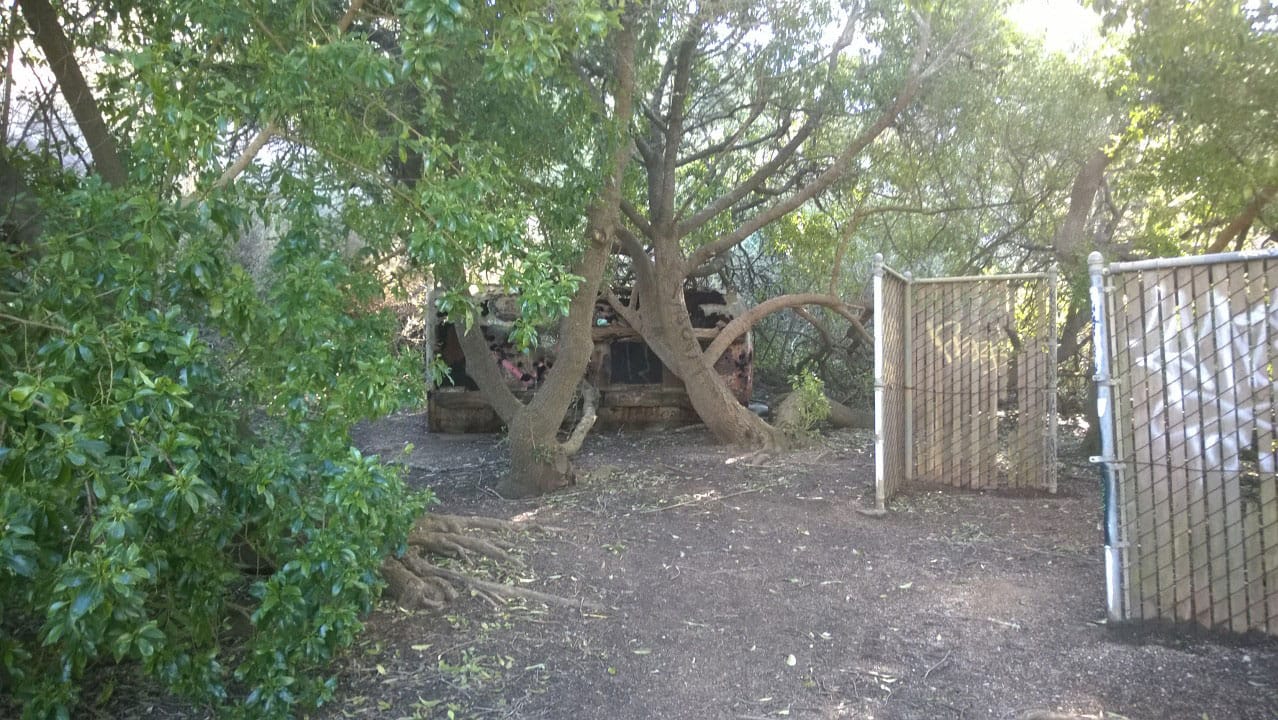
[(636, 389)]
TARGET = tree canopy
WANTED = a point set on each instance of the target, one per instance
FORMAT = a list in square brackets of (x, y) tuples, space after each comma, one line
[(205, 208)]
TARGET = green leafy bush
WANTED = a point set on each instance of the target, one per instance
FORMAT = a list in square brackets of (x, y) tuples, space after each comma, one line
[(162, 418)]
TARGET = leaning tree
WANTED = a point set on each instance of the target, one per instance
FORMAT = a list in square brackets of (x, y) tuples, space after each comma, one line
[(745, 113), (179, 489)]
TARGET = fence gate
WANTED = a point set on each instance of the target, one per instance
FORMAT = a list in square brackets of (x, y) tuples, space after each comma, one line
[(1185, 356), (965, 381)]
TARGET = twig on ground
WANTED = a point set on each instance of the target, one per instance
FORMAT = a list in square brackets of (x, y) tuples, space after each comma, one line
[(1053, 553), (938, 664), (694, 501)]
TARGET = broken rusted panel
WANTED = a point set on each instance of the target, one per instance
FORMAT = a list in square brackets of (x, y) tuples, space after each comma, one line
[(636, 389), (736, 365)]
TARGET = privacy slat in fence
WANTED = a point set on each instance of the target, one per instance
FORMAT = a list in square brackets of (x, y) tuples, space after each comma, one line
[(1189, 441), (1215, 330), (1178, 311), (1125, 448), (891, 338), (1199, 509), (1236, 393), (980, 382), (1267, 438)]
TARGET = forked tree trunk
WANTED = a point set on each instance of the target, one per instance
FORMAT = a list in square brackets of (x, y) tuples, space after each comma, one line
[(539, 461)]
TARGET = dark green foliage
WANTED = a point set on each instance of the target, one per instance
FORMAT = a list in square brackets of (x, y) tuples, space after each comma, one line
[(163, 417)]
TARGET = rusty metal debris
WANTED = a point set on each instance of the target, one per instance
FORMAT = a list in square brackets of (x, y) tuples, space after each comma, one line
[(636, 389)]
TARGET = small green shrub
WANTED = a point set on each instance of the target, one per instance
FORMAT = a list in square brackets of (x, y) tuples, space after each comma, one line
[(812, 404)]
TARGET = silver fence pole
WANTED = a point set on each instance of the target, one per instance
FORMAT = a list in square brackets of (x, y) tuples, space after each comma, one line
[(1053, 342), (908, 375), (1107, 460), (880, 446)]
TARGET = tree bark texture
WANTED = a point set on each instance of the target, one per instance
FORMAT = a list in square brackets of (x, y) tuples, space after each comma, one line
[(1070, 240)]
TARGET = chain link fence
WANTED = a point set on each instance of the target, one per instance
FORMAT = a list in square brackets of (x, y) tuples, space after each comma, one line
[(1185, 355), (965, 381)]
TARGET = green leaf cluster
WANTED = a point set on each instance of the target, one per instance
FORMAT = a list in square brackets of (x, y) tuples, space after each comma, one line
[(813, 405), (175, 453)]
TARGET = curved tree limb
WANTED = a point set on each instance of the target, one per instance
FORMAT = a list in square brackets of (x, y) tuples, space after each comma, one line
[(1068, 240), (715, 264), (845, 238), (756, 179), (741, 323), (827, 339), (633, 215), (627, 313), (663, 212), (760, 177)]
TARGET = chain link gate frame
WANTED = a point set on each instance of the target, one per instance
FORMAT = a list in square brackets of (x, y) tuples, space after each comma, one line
[(1186, 353), (964, 381)]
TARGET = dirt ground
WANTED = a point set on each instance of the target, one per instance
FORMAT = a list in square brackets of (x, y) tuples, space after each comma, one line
[(739, 592)]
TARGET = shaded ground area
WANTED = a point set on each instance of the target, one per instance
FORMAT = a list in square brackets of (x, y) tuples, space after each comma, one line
[(740, 591)]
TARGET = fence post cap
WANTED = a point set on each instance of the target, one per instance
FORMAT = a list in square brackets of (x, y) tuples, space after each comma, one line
[(878, 263), (1095, 260)]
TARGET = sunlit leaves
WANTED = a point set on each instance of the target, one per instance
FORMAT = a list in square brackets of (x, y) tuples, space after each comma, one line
[(1201, 83)]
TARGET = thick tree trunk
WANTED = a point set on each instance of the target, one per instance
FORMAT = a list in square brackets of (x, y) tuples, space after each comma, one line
[(726, 418), (538, 463)]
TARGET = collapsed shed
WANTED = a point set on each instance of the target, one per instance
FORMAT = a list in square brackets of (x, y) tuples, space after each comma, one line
[(636, 389)]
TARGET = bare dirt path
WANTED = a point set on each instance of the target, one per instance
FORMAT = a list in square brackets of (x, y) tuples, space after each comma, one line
[(759, 592)]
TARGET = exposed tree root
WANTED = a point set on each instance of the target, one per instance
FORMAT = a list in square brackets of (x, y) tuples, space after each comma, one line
[(414, 582), (502, 590)]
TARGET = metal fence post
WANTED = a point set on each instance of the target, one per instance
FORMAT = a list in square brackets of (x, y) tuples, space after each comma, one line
[(880, 446), (1105, 414), (1053, 343), (908, 375)]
